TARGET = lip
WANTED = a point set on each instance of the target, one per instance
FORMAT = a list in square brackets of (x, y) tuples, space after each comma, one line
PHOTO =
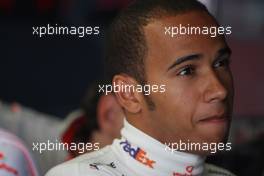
[(215, 119)]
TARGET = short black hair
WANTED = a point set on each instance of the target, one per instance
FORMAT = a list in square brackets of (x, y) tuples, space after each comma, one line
[(125, 43)]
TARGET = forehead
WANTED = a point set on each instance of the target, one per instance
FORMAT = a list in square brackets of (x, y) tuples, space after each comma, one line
[(161, 45)]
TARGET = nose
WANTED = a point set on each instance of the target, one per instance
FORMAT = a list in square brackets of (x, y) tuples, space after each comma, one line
[(215, 90)]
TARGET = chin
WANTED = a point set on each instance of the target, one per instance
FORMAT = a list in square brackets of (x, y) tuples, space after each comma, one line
[(217, 138), (215, 134)]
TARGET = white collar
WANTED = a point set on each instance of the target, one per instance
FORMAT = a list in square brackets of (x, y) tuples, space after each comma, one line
[(146, 155)]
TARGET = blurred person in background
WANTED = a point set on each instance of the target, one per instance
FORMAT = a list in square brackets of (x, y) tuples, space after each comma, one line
[(34, 127), (99, 121), (15, 159)]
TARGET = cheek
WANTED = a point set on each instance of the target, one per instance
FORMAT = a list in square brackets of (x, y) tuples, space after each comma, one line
[(230, 85), (178, 102), (227, 80)]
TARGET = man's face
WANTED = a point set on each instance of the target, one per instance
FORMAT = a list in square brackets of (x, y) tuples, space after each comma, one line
[(197, 103)]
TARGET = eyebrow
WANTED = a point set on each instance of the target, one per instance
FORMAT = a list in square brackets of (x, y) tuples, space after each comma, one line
[(224, 51), (184, 59)]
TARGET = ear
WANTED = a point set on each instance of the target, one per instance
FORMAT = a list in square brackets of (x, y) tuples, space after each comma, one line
[(131, 101), (109, 115), (104, 109)]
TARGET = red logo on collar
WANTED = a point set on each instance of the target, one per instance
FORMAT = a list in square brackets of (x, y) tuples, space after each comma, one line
[(6, 167), (9, 169), (138, 154), (1, 156), (189, 170)]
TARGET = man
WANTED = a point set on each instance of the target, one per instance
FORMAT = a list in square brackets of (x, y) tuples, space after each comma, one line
[(195, 108), (98, 123)]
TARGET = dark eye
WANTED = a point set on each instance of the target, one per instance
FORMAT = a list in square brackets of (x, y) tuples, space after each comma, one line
[(222, 63), (188, 70)]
